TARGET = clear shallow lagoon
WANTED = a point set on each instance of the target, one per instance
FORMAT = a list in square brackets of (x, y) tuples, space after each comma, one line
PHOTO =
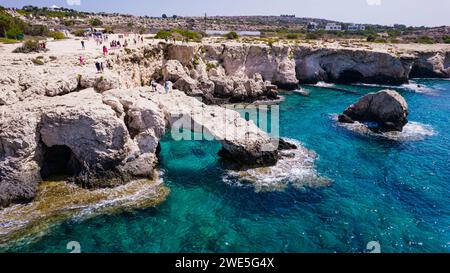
[(397, 193)]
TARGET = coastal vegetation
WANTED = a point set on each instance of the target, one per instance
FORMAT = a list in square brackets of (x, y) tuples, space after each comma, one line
[(11, 27), (232, 35), (29, 46), (179, 34), (95, 22), (446, 39), (57, 35), (46, 12)]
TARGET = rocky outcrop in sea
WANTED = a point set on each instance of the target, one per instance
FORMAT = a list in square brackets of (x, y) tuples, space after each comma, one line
[(387, 108)]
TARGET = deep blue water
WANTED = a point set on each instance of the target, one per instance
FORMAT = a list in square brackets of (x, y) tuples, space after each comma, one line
[(397, 193)]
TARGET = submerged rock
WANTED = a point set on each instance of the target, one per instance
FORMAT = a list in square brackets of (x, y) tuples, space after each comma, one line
[(387, 108), (57, 201), (295, 167)]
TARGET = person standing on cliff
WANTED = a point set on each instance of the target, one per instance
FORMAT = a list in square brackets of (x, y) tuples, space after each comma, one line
[(81, 60), (82, 45), (166, 86), (105, 50), (153, 84), (98, 67)]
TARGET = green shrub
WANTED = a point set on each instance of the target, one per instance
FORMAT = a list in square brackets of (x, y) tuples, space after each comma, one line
[(179, 34), (371, 38), (312, 36), (57, 35), (381, 41), (163, 34), (95, 22), (14, 32), (446, 39), (196, 61), (210, 66), (28, 47), (79, 33), (38, 30), (188, 34), (232, 35), (8, 41), (425, 40), (69, 23), (11, 27), (292, 36)]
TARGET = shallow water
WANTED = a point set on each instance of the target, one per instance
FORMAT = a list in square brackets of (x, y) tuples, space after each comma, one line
[(394, 192)]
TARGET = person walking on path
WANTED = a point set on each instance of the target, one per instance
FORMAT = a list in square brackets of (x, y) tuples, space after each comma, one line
[(166, 86), (105, 50), (98, 67), (82, 45)]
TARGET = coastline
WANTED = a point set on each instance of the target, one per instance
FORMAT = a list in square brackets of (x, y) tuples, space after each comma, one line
[(121, 96)]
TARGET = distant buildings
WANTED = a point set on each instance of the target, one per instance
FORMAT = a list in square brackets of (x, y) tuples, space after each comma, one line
[(54, 8), (288, 15), (333, 26), (356, 27)]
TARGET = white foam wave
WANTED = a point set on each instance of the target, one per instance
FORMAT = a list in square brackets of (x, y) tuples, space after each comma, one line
[(412, 131), (418, 88), (412, 86), (301, 91), (295, 168), (324, 84)]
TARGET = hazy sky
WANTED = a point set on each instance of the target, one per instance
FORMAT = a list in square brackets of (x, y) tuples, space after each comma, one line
[(409, 12)]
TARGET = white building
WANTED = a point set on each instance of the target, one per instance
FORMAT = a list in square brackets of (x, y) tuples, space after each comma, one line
[(333, 26), (54, 8), (356, 27)]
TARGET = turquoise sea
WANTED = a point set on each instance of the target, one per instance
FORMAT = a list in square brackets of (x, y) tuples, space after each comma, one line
[(393, 192)]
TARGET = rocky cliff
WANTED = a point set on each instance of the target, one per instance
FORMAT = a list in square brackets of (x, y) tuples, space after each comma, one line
[(219, 73), (103, 129)]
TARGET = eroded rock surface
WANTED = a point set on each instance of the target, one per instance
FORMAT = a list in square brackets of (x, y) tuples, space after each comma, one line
[(387, 108), (109, 138)]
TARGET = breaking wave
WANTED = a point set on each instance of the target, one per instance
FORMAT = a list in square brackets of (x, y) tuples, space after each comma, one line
[(412, 86), (324, 84), (295, 168), (413, 131)]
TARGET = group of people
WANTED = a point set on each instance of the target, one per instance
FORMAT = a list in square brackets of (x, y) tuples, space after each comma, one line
[(100, 38), (99, 66), (114, 44)]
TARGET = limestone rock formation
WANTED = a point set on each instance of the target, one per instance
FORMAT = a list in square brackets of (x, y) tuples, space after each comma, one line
[(431, 65), (349, 66), (109, 138), (387, 108)]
